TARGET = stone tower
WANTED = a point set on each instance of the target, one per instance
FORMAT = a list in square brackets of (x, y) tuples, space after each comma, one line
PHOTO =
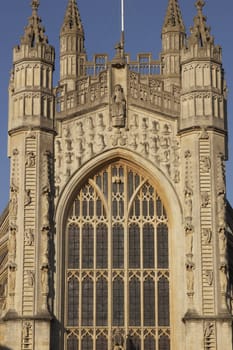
[(116, 236)]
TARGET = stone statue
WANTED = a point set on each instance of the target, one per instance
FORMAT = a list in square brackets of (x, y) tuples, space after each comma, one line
[(190, 277), (223, 278), (118, 107), (29, 237), (30, 159)]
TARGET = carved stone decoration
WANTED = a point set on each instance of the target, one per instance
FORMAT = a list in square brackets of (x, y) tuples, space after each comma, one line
[(118, 107), (221, 208), (27, 198), (205, 199), (27, 327), (207, 234), (14, 201), (44, 286), (12, 244), (223, 278), (11, 278), (29, 237), (99, 143), (209, 335), (205, 164), (209, 277), (222, 241), (188, 207), (118, 340), (30, 278), (189, 230), (190, 278), (44, 246), (30, 160)]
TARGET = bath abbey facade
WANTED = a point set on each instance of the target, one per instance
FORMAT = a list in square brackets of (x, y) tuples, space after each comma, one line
[(118, 233)]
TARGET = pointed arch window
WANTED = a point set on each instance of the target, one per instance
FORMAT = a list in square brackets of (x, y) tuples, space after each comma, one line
[(117, 265)]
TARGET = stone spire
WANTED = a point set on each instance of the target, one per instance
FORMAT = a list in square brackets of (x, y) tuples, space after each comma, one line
[(72, 20), (173, 19), (34, 32), (200, 32)]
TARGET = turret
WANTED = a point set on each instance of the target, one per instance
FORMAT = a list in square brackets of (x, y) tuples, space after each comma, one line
[(72, 50), (203, 86), (173, 40), (31, 85), (31, 140)]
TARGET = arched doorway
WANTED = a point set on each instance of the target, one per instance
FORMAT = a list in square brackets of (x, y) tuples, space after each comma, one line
[(117, 292)]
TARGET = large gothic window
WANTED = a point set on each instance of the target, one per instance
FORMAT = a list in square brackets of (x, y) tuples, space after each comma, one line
[(117, 264)]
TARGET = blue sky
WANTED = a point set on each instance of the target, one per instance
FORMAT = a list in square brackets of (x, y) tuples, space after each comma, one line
[(101, 20)]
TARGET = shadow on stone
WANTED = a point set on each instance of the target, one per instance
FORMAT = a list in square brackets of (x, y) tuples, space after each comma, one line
[(4, 348)]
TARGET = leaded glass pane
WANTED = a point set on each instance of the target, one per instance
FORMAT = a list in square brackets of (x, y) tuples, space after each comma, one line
[(101, 302), (149, 343), (87, 246), (148, 246), (134, 303), (87, 302), (118, 302), (164, 343), (101, 343), (73, 247), (87, 343), (101, 246), (149, 302), (134, 246), (73, 294), (163, 302), (162, 246), (72, 343), (118, 246)]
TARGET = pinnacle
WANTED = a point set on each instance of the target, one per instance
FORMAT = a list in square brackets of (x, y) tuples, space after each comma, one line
[(200, 32), (173, 18), (72, 19), (34, 32)]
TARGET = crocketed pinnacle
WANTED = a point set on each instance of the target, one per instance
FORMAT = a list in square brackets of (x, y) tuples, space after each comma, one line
[(72, 19), (173, 18), (200, 32), (34, 32)]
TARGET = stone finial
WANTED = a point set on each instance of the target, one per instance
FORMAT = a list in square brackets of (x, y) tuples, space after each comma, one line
[(72, 19), (173, 18), (34, 32), (200, 32)]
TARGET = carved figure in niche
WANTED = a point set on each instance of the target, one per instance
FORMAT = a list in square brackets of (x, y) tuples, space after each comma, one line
[(26, 331), (69, 156), (100, 123), (44, 280), (209, 277), (27, 198), (29, 237), (189, 238), (12, 244), (222, 241), (207, 234), (44, 246), (188, 208), (221, 203), (30, 278), (99, 142), (204, 134), (223, 278), (30, 159), (118, 107), (79, 147), (11, 278), (205, 199), (164, 142), (80, 131), (14, 202), (67, 131), (166, 129), (69, 144), (154, 141), (205, 164), (133, 141), (155, 127), (89, 150), (90, 128), (190, 277), (134, 122), (45, 206), (58, 146)]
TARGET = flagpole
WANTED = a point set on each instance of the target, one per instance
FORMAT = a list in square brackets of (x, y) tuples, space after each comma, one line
[(122, 25)]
